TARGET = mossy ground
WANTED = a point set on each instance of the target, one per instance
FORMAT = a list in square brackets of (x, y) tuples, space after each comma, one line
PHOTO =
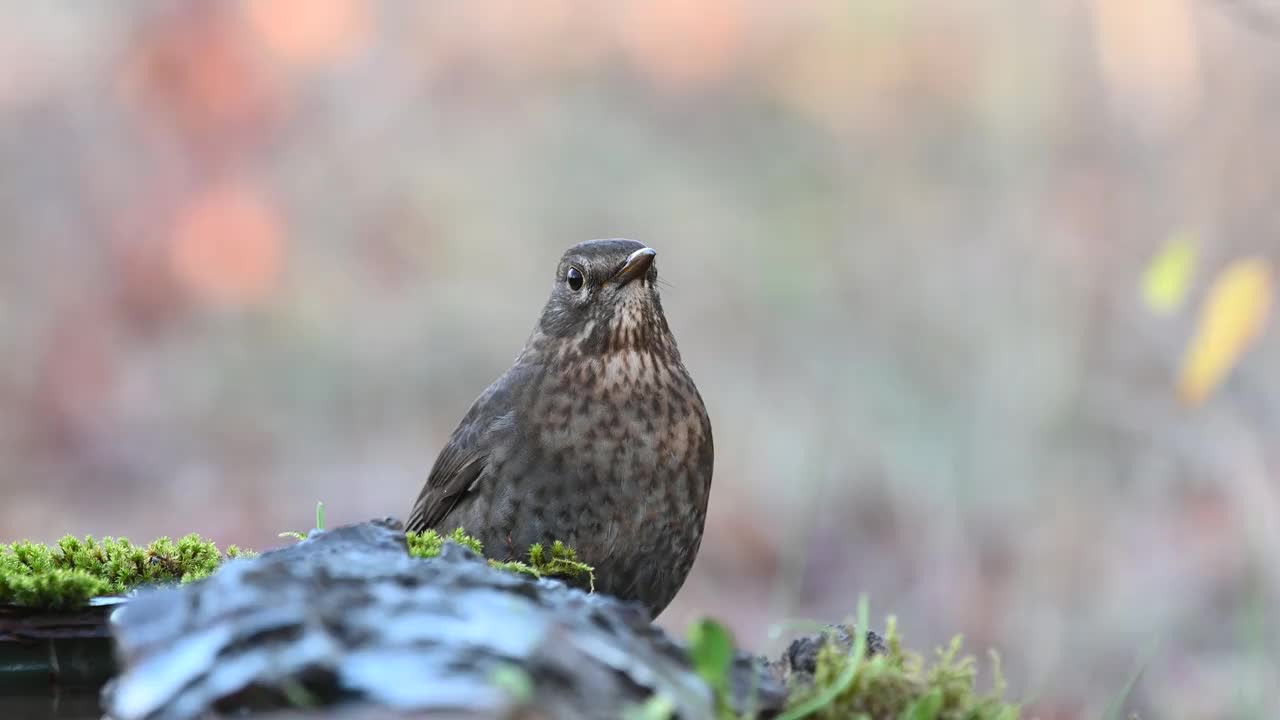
[(895, 684), (69, 573), (558, 562), (74, 570), (900, 684)]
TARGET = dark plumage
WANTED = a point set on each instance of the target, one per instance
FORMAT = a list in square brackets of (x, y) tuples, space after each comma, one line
[(595, 436)]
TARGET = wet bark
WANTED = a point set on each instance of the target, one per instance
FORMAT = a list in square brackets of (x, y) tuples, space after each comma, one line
[(347, 621)]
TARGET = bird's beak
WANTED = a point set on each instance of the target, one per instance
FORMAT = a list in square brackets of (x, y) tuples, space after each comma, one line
[(637, 265)]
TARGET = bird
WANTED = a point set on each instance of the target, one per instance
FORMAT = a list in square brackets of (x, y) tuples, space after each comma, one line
[(595, 436)]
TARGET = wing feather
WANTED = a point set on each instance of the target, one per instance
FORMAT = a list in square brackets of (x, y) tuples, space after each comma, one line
[(462, 462)]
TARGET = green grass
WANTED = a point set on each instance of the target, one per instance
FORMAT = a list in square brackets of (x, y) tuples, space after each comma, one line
[(895, 685), (899, 684)]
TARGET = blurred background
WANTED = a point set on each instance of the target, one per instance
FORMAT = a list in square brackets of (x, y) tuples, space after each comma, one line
[(976, 292)]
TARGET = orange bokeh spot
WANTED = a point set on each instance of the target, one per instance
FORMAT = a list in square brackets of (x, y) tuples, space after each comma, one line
[(307, 33), (228, 244), (190, 64), (682, 44)]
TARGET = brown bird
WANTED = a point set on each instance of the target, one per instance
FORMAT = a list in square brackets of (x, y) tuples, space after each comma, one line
[(595, 436)]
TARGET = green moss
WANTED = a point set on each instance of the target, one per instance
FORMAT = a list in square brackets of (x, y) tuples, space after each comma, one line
[(76, 569), (558, 562), (899, 684), (427, 544), (893, 685)]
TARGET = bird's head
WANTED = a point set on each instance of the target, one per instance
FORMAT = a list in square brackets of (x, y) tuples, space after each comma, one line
[(604, 299)]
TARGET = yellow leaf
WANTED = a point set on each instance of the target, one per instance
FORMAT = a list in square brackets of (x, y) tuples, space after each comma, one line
[(1168, 277), (1231, 318)]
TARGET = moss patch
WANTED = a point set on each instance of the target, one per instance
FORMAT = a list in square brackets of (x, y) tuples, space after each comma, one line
[(558, 562), (900, 684), (847, 680), (74, 570), (68, 574), (896, 683)]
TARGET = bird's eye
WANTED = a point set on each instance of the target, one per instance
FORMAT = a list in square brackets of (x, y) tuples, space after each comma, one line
[(574, 278)]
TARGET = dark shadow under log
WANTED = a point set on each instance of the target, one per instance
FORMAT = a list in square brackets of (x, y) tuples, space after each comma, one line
[(67, 648)]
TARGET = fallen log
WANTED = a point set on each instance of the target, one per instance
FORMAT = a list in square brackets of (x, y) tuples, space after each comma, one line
[(347, 620)]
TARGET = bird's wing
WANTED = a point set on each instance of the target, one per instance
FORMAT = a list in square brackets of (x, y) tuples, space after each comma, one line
[(467, 453), (455, 470)]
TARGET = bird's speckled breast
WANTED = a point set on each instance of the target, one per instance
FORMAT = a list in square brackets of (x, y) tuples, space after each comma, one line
[(655, 424), (613, 455), (628, 444)]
